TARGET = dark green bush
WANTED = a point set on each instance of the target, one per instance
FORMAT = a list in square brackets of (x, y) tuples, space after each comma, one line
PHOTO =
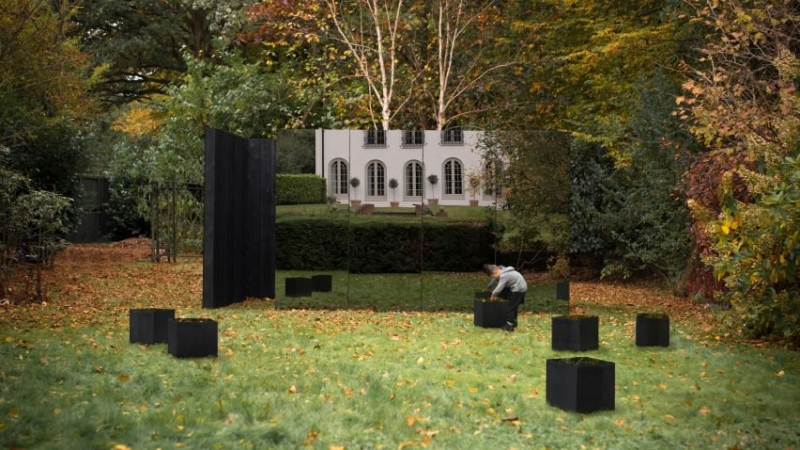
[(296, 189), (382, 247)]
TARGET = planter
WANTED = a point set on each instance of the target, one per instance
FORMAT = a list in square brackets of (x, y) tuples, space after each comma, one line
[(652, 330), (582, 385), (433, 201), (489, 314), (394, 204), (562, 290), (575, 333), (322, 283), (192, 338), (355, 202), (298, 287), (149, 325), (473, 203), (441, 214)]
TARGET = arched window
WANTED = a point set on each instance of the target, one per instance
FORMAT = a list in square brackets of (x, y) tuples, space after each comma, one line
[(338, 178), (413, 179), (453, 185), (376, 179)]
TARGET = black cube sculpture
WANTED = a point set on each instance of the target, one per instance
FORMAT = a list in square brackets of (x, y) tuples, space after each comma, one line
[(487, 313), (575, 333), (192, 338), (652, 330), (298, 287), (322, 283), (149, 325), (581, 384)]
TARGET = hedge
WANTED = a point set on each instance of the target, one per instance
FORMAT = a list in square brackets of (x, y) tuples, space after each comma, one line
[(296, 189), (316, 244)]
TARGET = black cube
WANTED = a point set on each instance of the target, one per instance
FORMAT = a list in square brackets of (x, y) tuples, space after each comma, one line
[(322, 283), (298, 287), (652, 330), (580, 384), (192, 338), (575, 333), (489, 314), (149, 325)]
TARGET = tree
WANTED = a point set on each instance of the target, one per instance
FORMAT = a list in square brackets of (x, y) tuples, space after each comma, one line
[(370, 30), (42, 72), (139, 46), (741, 102)]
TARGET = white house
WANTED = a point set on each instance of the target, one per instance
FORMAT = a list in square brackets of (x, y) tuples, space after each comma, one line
[(376, 156)]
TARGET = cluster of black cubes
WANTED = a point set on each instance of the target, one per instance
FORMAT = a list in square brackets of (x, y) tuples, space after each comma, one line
[(185, 337), (583, 384), (304, 286)]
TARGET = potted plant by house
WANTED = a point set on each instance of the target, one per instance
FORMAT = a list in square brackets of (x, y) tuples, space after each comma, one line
[(393, 185), (489, 313), (355, 182), (433, 179), (473, 185)]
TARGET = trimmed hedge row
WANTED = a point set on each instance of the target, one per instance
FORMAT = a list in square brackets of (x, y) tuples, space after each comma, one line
[(382, 247), (297, 189)]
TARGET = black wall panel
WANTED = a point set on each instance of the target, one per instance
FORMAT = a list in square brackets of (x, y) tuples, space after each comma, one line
[(239, 219)]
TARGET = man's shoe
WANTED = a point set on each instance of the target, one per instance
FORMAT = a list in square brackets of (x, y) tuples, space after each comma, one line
[(508, 327)]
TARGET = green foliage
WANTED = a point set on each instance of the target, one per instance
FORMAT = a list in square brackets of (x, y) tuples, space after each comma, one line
[(532, 169), (757, 252), (591, 175), (743, 104), (296, 189), (33, 224), (646, 214), (138, 46), (295, 151), (125, 210)]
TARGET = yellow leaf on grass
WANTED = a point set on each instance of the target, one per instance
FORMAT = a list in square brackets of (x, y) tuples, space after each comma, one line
[(780, 373), (410, 421), (121, 447)]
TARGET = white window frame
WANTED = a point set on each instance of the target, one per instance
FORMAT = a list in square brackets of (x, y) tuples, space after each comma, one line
[(452, 136), (413, 181), (413, 138), (375, 138), (453, 179), (339, 182), (375, 185)]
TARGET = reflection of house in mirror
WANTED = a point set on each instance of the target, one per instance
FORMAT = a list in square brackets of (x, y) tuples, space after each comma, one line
[(410, 157)]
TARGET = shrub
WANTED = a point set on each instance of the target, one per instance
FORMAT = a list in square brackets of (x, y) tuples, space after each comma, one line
[(296, 189)]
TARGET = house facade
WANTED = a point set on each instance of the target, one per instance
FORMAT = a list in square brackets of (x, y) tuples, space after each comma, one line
[(375, 157)]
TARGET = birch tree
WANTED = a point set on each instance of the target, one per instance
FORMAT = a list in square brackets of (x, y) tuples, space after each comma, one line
[(458, 75), (370, 29)]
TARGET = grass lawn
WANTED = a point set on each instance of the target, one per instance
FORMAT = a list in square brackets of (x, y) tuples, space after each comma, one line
[(350, 379), (399, 214)]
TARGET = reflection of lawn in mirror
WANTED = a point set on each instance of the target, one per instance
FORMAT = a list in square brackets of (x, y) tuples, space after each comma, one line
[(429, 291), (404, 213)]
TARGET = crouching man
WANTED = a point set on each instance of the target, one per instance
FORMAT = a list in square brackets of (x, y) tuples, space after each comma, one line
[(508, 283)]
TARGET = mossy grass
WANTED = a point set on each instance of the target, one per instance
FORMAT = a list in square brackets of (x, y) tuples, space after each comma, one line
[(354, 378)]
